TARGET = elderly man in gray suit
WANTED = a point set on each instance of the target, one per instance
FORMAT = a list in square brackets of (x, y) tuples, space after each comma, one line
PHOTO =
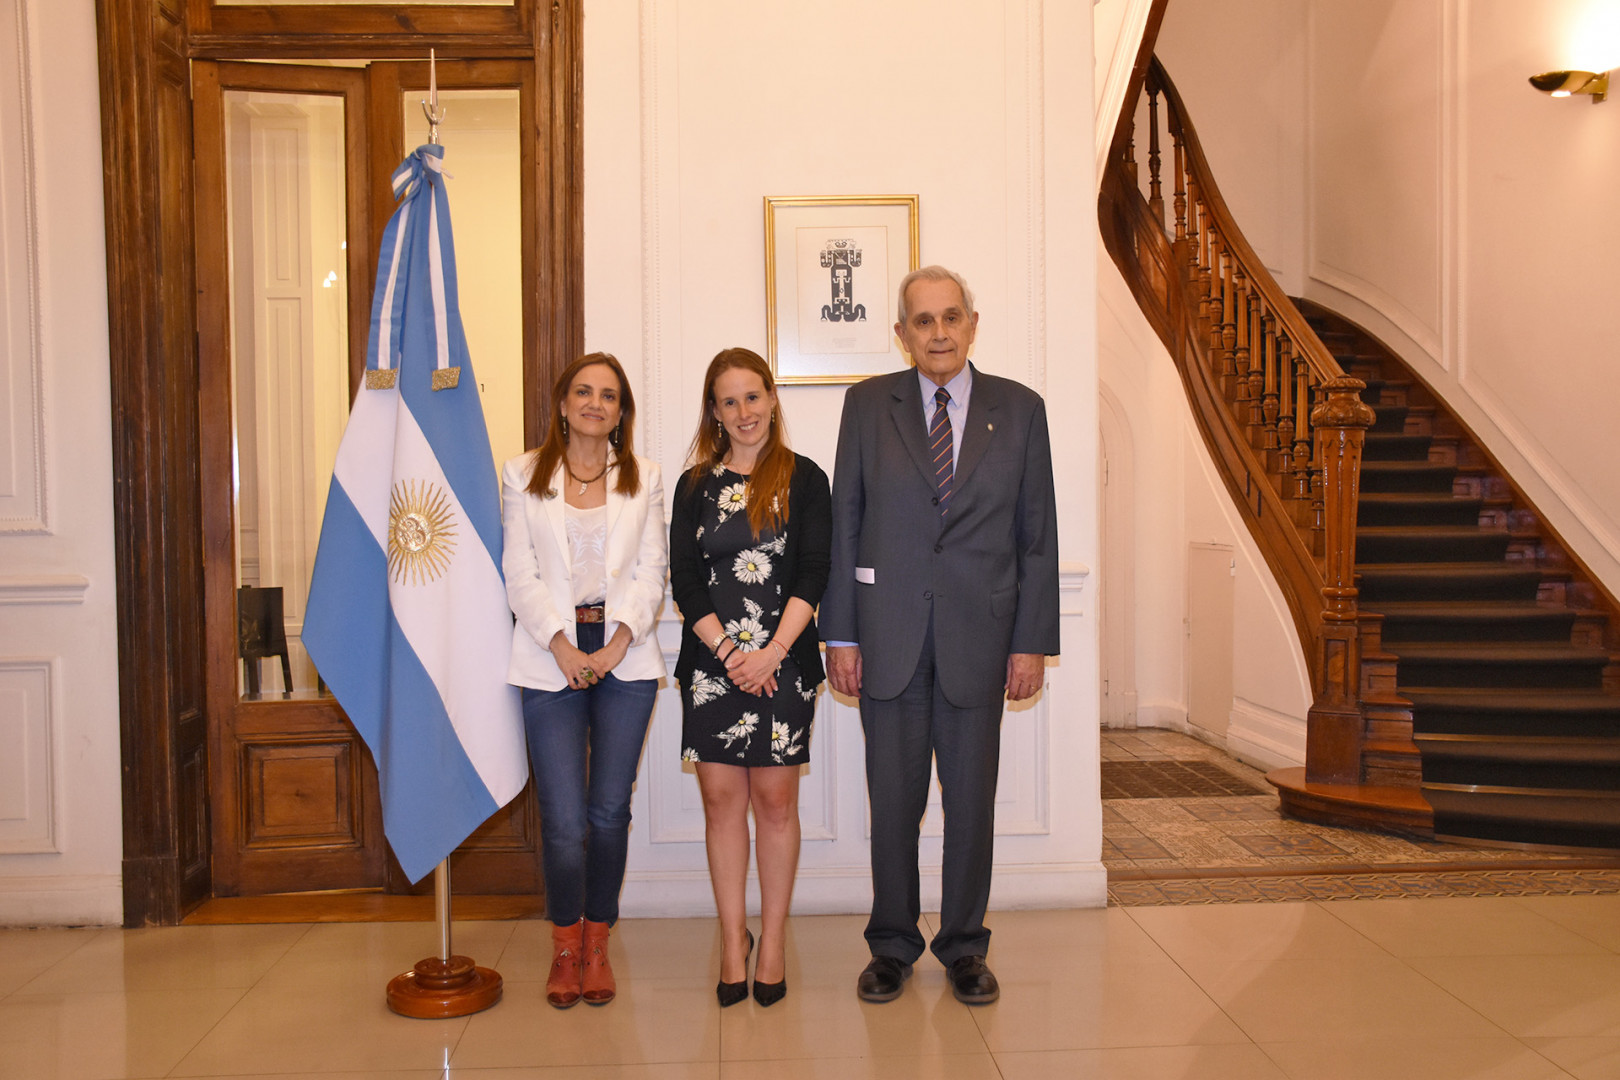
[(943, 599)]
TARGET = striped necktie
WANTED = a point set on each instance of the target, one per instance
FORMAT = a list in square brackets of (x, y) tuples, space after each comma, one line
[(939, 444)]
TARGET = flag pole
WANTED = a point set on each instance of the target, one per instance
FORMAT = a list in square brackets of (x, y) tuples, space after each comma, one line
[(445, 985)]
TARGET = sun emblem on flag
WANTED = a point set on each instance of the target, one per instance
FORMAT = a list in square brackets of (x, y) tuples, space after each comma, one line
[(421, 532)]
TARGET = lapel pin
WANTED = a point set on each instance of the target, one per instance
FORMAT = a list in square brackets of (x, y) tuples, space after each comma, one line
[(990, 427)]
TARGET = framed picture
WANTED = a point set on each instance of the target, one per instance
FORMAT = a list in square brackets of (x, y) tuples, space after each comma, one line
[(832, 266)]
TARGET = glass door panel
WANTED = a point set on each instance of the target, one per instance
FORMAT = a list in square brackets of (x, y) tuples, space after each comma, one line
[(286, 182), (480, 135)]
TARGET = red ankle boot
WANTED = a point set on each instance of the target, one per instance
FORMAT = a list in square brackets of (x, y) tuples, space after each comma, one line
[(563, 984)]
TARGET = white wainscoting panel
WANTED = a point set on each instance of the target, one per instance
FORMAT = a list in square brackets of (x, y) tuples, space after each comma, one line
[(27, 755), (22, 391), (31, 589), (667, 872)]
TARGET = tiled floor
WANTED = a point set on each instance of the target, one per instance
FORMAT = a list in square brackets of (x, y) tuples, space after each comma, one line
[(1170, 838), (1520, 988)]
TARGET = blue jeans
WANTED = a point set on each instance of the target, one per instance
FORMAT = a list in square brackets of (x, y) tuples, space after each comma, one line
[(584, 746)]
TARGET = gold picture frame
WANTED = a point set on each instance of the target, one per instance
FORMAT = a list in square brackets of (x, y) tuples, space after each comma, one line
[(832, 265)]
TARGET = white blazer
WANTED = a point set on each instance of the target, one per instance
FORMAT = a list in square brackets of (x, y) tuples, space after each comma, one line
[(539, 573)]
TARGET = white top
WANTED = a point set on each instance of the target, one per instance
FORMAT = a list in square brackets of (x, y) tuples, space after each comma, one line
[(587, 552), (540, 574)]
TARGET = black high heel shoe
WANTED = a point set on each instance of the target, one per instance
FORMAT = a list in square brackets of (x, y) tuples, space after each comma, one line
[(768, 994), (729, 993)]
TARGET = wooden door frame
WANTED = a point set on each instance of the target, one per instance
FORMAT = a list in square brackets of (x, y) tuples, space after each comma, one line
[(238, 729), (157, 386)]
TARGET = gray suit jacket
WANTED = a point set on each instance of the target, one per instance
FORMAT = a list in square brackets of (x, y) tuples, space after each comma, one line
[(988, 569)]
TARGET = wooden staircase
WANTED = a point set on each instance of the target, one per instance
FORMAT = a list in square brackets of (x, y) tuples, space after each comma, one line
[(1463, 663), (1487, 652)]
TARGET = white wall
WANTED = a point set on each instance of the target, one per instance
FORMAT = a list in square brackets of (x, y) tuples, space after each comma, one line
[(1174, 497), (60, 824), (1390, 161), (694, 113), (1496, 282), (1247, 102)]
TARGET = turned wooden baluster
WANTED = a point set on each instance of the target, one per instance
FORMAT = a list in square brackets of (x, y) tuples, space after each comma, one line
[(1257, 365), (1334, 731), (1155, 195), (1181, 182), (1207, 238), (1228, 322), (1318, 496), (1217, 254), (1192, 231), (1268, 406), (1130, 150), (1302, 434), (1284, 460), (1239, 390)]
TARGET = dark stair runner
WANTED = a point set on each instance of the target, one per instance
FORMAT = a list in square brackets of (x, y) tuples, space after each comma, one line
[(1498, 642)]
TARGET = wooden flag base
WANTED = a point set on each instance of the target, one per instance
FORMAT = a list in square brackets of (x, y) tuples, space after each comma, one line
[(436, 989)]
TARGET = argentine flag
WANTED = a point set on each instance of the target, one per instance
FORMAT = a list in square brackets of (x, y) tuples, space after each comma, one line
[(407, 618)]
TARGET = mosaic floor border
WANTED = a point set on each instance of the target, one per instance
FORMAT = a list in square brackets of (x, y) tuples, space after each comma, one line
[(1170, 848), (1381, 886)]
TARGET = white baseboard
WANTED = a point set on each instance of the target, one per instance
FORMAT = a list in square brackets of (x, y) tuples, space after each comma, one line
[(1265, 738), (848, 891), (1168, 716), (84, 900)]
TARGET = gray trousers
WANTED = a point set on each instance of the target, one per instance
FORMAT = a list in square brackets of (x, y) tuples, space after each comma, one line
[(903, 736)]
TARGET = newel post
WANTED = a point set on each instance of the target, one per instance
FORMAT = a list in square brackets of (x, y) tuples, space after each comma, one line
[(1334, 726)]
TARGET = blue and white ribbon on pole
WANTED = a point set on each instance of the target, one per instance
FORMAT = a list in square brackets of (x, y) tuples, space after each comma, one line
[(407, 618)]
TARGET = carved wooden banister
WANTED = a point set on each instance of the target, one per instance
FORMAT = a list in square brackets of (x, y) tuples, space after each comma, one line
[(1283, 421)]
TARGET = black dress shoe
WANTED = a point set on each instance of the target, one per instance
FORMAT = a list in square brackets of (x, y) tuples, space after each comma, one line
[(972, 982), (731, 993), (883, 979)]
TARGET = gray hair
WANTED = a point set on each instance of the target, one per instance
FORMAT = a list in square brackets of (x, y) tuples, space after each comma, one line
[(933, 273)]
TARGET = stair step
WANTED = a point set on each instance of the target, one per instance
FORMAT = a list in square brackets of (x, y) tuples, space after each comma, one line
[(1389, 418), (1395, 446), (1472, 620), (1378, 476), (1525, 749), (1519, 815), (1460, 711), (1436, 543), (1446, 581), (1412, 508), (1359, 806), (1522, 665)]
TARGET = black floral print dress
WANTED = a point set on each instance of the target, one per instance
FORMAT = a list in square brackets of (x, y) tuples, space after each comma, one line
[(722, 723)]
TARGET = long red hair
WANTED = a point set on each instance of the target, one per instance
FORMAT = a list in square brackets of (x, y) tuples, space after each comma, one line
[(550, 452), (768, 484)]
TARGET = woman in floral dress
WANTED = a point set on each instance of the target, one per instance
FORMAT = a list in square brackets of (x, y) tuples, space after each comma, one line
[(750, 544)]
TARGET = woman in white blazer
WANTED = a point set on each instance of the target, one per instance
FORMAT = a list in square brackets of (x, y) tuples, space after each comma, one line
[(586, 557)]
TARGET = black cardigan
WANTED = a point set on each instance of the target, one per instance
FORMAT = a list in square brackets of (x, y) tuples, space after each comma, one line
[(807, 558)]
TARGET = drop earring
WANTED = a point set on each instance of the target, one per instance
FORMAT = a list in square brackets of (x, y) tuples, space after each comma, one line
[(617, 438), (564, 421)]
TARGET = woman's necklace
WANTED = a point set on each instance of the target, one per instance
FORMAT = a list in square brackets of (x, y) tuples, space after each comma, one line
[(583, 484)]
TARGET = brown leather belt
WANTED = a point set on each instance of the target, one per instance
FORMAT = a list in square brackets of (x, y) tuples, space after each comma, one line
[(588, 613)]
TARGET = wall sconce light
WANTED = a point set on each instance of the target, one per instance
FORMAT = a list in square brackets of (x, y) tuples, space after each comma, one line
[(1565, 83)]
